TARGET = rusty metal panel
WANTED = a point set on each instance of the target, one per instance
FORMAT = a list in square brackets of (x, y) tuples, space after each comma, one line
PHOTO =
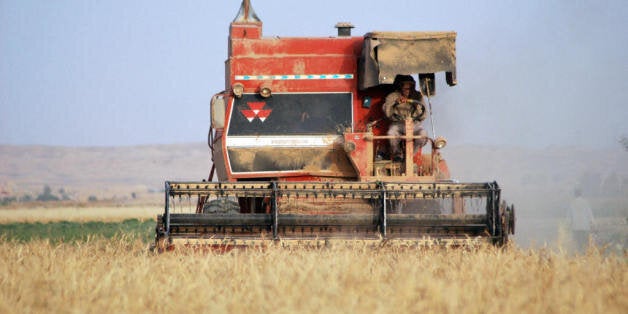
[(324, 161), (386, 54)]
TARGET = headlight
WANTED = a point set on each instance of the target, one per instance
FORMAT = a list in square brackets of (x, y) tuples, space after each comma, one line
[(238, 89), (264, 90), (440, 142), (349, 147)]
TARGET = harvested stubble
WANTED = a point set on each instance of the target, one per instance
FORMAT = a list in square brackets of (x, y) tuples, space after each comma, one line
[(121, 275)]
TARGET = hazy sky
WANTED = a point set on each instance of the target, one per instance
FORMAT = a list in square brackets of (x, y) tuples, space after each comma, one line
[(531, 73)]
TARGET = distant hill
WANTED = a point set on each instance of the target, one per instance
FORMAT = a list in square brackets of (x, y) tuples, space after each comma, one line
[(101, 172)]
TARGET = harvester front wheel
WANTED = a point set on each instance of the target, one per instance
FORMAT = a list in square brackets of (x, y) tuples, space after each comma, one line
[(257, 205)]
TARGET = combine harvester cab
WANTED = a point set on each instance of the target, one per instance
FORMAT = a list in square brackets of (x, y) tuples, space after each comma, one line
[(300, 149)]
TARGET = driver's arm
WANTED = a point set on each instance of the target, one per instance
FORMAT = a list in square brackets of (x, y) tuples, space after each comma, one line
[(389, 105)]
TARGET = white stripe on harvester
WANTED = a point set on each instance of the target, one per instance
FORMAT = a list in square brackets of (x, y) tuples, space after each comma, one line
[(283, 141)]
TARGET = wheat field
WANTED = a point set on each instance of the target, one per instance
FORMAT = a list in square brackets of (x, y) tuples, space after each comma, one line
[(121, 275)]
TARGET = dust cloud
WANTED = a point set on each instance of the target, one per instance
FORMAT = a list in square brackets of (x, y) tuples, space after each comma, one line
[(541, 184)]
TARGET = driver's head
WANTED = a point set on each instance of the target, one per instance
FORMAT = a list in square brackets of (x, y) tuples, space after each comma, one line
[(405, 84), (406, 88)]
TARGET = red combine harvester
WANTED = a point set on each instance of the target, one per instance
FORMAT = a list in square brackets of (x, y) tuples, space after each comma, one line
[(301, 148)]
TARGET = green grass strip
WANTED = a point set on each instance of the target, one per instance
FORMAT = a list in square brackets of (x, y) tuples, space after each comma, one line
[(66, 231)]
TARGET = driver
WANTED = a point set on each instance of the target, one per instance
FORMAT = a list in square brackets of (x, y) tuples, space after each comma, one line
[(404, 102)]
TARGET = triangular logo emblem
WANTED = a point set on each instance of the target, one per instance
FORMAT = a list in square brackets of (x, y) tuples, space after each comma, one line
[(256, 110)]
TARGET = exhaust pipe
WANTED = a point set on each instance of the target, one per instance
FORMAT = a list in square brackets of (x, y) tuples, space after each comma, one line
[(344, 29)]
